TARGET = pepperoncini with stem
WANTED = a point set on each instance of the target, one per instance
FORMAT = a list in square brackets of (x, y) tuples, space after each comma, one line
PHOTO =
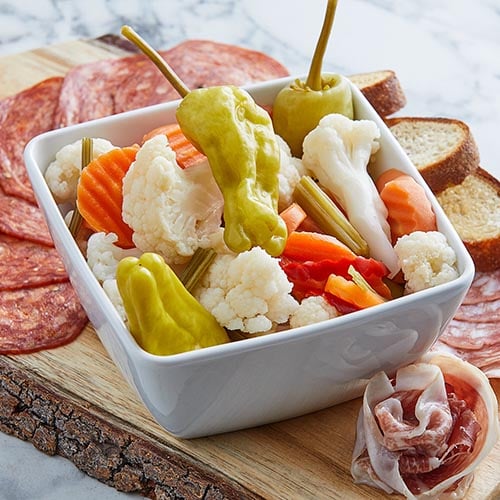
[(163, 316), (244, 156), (299, 107), (237, 136)]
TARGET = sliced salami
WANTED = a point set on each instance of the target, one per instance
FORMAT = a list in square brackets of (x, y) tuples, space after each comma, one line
[(23, 220), (107, 87), (474, 333), (202, 63), (471, 336), (485, 287), (487, 358), (26, 264), (32, 319), (22, 117), (112, 86), (486, 312), (492, 370)]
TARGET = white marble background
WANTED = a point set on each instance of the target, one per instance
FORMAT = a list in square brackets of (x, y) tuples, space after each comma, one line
[(446, 54)]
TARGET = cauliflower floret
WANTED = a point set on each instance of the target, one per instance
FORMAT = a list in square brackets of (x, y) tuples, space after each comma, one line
[(426, 260), (312, 310), (111, 289), (103, 255), (291, 170), (337, 152), (247, 292), (63, 173), (171, 211)]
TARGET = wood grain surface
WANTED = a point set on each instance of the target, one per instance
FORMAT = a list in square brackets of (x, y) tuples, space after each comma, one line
[(72, 401)]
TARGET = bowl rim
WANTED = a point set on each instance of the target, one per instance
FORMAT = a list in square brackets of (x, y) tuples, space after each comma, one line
[(58, 227)]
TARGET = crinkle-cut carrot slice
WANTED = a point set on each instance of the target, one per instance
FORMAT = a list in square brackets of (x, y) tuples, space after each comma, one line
[(100, 196), (186, 154)]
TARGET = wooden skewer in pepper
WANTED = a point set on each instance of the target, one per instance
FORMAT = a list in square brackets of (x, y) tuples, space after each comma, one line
[(299, 107), (237, 136)]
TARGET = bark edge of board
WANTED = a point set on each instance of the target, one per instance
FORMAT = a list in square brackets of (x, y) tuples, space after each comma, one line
[(108, 451)]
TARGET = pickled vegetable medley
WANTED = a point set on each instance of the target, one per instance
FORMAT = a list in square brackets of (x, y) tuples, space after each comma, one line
[(196, 249)]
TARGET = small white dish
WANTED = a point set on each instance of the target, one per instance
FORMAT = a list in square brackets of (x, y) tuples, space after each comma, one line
[(267, 378)]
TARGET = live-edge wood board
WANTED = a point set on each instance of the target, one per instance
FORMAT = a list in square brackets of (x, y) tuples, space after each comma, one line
[(72, 401)]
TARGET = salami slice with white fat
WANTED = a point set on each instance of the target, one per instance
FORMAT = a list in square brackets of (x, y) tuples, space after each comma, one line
[(45, 317), (26, 264), (112, 86), (485, 312), (22, 117), (485, 287), (467, 336), (477, 343), (487, 358), (474, 333), (21, 219)]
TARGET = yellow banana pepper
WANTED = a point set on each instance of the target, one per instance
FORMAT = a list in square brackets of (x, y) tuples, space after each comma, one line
[(163, 316), (238, 138), (299, 107)]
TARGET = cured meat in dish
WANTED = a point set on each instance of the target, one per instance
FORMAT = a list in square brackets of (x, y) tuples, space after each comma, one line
[(112, 86), (423, 433)]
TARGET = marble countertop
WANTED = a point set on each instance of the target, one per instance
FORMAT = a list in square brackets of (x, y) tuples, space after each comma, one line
[(445, 53)]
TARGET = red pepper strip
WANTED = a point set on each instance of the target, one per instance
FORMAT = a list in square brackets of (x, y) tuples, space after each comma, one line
[(373, 271), (309, 277), (342, 306)]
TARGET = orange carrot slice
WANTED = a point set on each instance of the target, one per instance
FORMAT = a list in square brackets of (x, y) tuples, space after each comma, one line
[(408, 207), (99, 193), (186, 153), (304, 245), (293, 216), (309, 224), (385, 177), (350, 292)]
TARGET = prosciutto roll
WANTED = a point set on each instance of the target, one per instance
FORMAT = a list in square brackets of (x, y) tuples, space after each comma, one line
[(424, 432)]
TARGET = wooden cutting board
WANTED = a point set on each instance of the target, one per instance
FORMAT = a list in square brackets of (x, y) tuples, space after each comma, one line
[(72, 401)]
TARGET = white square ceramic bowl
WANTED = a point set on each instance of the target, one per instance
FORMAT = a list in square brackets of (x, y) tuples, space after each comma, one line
[(267, 378)]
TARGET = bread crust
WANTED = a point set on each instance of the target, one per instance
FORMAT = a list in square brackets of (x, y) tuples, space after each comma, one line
[(485, 252), (451, 169), (382, 89)]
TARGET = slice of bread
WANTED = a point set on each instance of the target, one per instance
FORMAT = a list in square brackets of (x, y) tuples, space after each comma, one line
[(382, 89), (443, 149), (473, 208)]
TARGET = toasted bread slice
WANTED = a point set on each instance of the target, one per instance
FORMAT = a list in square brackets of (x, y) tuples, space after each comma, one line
[(382, 89), (473, 208), (443, 149)]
